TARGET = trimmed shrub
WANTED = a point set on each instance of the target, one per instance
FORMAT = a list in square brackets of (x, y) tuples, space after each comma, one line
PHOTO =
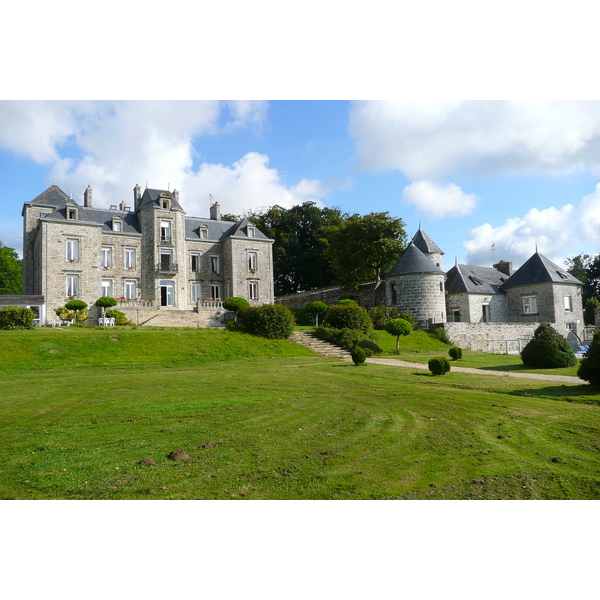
[(119, 317), (105, 302), (548, 350), (316, 310), (381, 314), (234, 303), (359, 355), (348, 317), (439, 365), (347, 302), (64, 313), (345, 338), (455, 353), (235, 326), (75, 305), (442, 335), (408, 316), (16, 317), (398, 327), (272, 321), (81, 315), (589, 368)]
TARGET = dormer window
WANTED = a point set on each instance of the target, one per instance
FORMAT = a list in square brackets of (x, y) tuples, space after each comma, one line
[(251, 232), (204, 233), (164, 204), (117, 225), (72, 214)]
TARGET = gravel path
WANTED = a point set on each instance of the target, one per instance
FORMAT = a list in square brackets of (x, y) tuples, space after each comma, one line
[(401, 363)]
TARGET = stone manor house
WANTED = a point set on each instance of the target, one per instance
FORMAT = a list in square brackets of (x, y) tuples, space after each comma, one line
[(151, 256)]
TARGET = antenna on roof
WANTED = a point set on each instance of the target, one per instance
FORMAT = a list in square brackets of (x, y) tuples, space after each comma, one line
[(493, 246)]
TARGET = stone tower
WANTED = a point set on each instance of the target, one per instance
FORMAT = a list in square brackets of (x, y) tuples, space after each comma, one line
[(416, 282)]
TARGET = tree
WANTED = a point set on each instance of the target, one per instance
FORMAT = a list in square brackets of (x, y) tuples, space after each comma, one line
[(300, 259), (398, 327), (547, 350), (588, 311), (105, 302), (315, 310), (589, 368), (364, 248), (586, 268), (11, 273)]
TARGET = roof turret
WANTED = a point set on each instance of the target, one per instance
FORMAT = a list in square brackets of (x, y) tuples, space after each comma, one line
[(413, 261)]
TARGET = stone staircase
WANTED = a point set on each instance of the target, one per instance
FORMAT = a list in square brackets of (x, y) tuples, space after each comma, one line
[(321, 347)]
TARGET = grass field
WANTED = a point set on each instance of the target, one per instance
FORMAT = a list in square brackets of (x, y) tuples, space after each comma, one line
[(265, 419)]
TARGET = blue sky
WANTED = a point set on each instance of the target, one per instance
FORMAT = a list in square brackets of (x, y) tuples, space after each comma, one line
[(474, 173)]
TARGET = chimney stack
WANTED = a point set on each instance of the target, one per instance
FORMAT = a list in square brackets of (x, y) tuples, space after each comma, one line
[(215, 212), (505, 267), (137, 195), (176, 195), (122, 206), (87, 197)]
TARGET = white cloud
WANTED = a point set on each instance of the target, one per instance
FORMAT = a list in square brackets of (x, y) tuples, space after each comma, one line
[(434, 140), (550, 229), (436, 201)]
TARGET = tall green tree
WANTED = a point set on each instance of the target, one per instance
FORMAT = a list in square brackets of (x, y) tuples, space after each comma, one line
[(363, 248), (11, 271), (300, 257), (587, 269)]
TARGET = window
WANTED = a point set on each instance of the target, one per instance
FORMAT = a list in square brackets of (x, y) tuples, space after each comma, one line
[(129, 258), (251, 232), (215, 291), (204, 233), (117, 225), (253, 290), (214, 264), (165, 261), (72, 250), (165, 231), (195, 262), (529, 305), (72, 285), (130, 289), (107, 288), (195, 292), (570, 326), (71, 214), (107, 258), (165, 204), (394, 293), (568, 303), (252, 261)]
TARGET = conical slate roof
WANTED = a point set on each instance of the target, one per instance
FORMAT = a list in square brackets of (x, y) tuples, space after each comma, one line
[(425, 244), (539, 269), (413, 261)]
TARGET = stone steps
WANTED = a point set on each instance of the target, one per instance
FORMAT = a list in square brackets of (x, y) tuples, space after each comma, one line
[(184, 318), (321, 347)]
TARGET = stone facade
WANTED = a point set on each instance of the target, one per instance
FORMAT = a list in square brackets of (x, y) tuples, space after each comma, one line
[(421, 294), (153, 253)]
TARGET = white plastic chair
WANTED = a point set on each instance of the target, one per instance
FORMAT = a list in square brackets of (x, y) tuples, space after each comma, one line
[(101, 322), (111, 321)]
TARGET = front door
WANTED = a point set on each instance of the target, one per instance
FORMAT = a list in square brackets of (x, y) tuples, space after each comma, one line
[(167, 293)]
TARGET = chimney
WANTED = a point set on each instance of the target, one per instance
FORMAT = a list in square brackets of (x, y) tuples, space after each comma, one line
[(123, 206), (215, 212), (504, 267), (87, 197), (176, 195), (137, 195)]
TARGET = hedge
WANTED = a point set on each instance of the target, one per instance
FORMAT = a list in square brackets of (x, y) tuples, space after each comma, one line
[(271, 321), (16, 317)]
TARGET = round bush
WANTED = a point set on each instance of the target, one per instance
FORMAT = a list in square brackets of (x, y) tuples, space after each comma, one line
[(350, 317), (272, 321), (75, 305), (119, 317), (398, 327), (589, 368), (234, 303), (359, 355), (548, 350), (105, 302), (316, 310), (455, 353), (347, 302), (439, 365)]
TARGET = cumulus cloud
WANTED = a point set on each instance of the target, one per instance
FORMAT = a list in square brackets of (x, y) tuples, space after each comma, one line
[(114, 145), (476, 138), (437, 201), (550, 229)]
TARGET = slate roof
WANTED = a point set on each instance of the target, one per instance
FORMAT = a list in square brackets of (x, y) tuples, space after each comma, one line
[(474, 280), (413, 261), (53, 196), (539, 269), (150, 198), (424, 243)]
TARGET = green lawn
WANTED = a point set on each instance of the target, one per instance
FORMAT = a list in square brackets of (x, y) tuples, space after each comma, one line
[(276, 423)]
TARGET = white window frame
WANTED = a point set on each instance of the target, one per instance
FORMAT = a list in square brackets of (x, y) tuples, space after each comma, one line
[(117, 224), (252, 261), (214, 263), (529, 305), (72, 214), (72, 285), (165, 231), (568, 302), (215, 291), (129, 258), (253, 290), (130, 292), (108, 288), (106, 257), (251, 232), (203, 233), (196, 256), (195, 291), (570, 327), (170, 255), (72, 250)]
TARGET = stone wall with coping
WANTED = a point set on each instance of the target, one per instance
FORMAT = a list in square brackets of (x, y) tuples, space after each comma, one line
[(366, 295)]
